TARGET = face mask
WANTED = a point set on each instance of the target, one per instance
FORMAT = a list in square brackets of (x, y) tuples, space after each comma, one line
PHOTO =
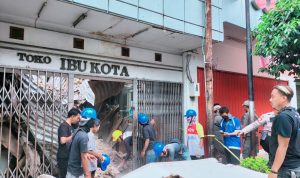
[(225, 117)]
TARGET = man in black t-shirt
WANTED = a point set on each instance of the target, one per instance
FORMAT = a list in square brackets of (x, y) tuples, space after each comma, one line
[(65, 131), (283, 157)]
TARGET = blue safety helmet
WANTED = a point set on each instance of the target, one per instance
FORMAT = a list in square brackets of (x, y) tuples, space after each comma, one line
[(106, 161), (158, 148), (87, 114), (190, 113), (143, 118)]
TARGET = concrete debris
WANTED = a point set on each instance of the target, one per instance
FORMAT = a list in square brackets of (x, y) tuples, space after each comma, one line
[(7, 138), (32, 158), (113, 169)]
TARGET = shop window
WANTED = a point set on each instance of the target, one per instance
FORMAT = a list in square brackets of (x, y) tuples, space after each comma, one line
[(125, 51), (78, 43), (16, 33), (158, 57)]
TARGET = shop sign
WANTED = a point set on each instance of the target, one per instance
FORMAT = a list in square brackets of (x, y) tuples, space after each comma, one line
[(34, 58), (69, 64), (98, 68)]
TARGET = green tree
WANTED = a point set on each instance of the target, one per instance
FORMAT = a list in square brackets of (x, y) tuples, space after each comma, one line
[(278, 37)]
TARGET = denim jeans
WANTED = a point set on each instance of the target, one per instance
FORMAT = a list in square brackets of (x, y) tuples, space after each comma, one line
[(289, 173), (185, 153), (150, 156)]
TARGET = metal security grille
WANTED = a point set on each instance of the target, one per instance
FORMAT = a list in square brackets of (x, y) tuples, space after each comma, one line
[(32, 105), (162, 101)]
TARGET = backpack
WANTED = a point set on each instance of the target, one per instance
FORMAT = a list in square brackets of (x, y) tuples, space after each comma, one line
[(295, 119)]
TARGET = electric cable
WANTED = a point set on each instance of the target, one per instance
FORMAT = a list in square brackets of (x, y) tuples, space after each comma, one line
[(187, 67)]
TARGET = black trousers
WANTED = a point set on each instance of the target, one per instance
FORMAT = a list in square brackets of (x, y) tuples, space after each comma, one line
[(265, 144), (230, 158), (289, 173), (62, 164)]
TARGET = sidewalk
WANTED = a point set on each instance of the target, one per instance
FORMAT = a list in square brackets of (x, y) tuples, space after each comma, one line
[(205, 168)]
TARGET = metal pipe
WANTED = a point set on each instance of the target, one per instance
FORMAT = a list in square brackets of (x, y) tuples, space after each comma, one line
[(45, 118), (52, 124), (2, 109), (11, 116), (19, 120), (27, 119), (250, 71), (36, 115)]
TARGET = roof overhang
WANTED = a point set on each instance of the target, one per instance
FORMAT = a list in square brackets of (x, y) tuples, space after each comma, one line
[(61, 16)]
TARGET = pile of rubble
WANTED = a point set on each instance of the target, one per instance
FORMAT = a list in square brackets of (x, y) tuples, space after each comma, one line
[(113, 169)]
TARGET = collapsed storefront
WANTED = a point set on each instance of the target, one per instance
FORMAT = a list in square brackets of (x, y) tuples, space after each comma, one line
[(37, 89)]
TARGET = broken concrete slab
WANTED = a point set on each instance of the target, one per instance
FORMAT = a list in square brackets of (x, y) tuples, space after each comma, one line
[(196, 168)]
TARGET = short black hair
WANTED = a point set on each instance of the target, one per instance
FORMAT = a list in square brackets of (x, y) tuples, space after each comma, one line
[(92, 122), (73, 112), (223, 109), (216, 104), (86, 104)]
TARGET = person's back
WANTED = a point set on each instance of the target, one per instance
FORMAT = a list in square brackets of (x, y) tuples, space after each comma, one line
[(149, 133), (127, 140), (79, 145), (173, 149)]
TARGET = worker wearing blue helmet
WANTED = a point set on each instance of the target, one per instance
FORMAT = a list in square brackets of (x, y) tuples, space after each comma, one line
[(174, 151), (149, 135), (78, 164), (195, 135)]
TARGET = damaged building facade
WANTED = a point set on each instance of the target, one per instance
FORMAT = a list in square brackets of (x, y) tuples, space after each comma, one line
[(122, 56)]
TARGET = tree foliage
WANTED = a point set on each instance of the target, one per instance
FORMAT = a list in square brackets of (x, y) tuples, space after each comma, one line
[(278, 37)]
